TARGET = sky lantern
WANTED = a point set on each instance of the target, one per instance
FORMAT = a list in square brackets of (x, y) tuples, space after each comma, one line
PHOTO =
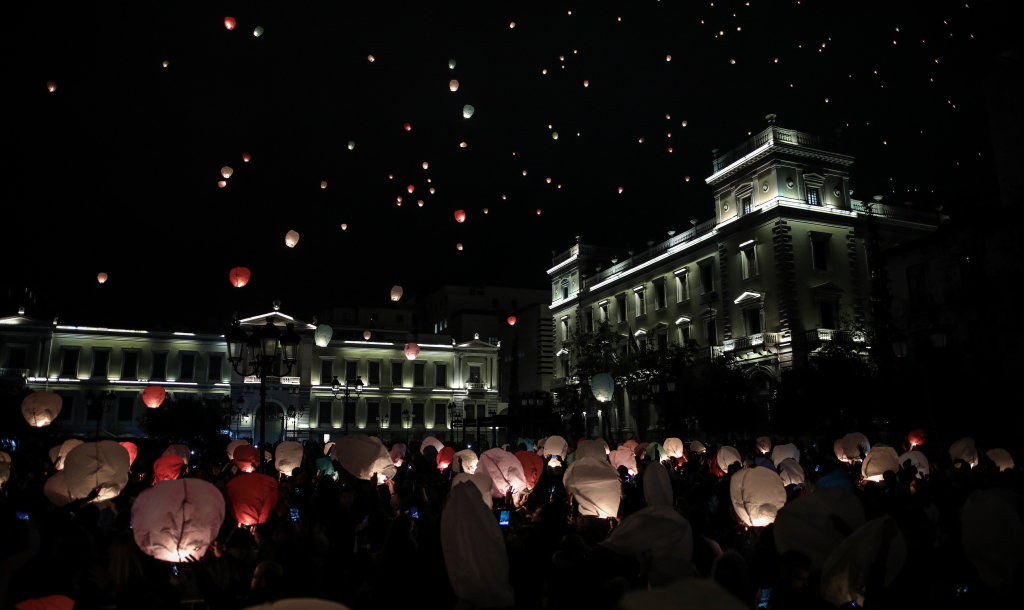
[(230, 449), (462, 144), (451, 64), (56, 490), (511, 320), (132, 449), (288, 457), (51, 86), (524, 172), (485, 210), (226, 172), (684, 123), (538, 211), (916, 437), (396, 293), (548, 180), (291, 238), (371, 58), (246, 458), (458, 247), (453, 85), (425, 165), (504, 470), (167, 468), (177, 519), (222, 183), (877, 462), (620, 189), (460, 216), (257, 32), (603, 386), (554, 135), (351, 144), (595, 484), (757, 495), (668, 58), (246, 157), (410, 188), (408, 127), (154, 396), (586, 83), (323, 184), (102, 278), (322, 335), (411, 351), (344, 226), (764, 444), (229, 23), (239, 276), (165, 63), (399, 202), (445, 457), (732, 61), (251, 498), (41, 408), (363, 456), (420, 203), (467, 111), (512, 25), (366, 335), (103, 465)]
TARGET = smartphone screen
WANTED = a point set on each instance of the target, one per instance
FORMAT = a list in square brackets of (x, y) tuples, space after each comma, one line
[(415, 512), (21, 515), (174, 569), (551, 489), (766, 597), (503, 518), (295, 514)]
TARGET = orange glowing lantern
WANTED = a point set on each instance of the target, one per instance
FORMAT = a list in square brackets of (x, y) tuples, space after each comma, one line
[(246, 157), (366, 335), (538, 211), (323, 184), (621, 189), (511, 320), (226, 172), (167, 468), (460, 216), (396, 293), (344, 227), (445, 457), (408, 127), (229, 23), (154, 396), (246, 458), (425, 165), (239, 276), (453, 85), (132, 449), (222, 183), (410, 188), (916, 437), (102, 278), (251, 498), (291, 238)]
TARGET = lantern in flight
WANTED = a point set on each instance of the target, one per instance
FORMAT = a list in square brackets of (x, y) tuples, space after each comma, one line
[(246, 458), (322, 335), (366, 335), (102, 278), (239, 276), (554, 135), (620, 189), (408, 127), (453, 85), (257, 32), (370, 58), (323, 184), (916, 437), (420, 203), (548, 180), (344, 226), (177, 519), (396, 293), (668, 58), (467, 111), (462, 144), (411, 351), (154, 396), (687, 178), (291, 238), (222, 183), (602, 385), (245, 157), (425, 165), (460, 216), (684, 123), (512, 25), (351, 144), (485, 210), (288, 457), (51, 86), (451, 64), (431, 190), (41, 408), (458, 246), (410, 188), (757, 495), (229, 23), (586, 83), (132, 449), (538, 211), (511, 320)]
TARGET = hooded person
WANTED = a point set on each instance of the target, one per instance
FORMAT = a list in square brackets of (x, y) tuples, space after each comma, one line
[(474, 551)]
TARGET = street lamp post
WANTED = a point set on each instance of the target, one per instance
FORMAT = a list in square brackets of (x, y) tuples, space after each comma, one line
[(492, 412), (255, 355), (407, 419), (338, 390), (103, 403), (456, 418)]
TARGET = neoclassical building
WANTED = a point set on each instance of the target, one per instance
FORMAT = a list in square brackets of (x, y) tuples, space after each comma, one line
[(778, 271), (399, 398)]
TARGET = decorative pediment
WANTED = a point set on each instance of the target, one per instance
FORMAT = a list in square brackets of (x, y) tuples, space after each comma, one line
[(814, 179), (280, 319), (749, 296)]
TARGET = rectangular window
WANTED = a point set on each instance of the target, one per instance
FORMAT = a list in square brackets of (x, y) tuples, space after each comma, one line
[(100, 360), (711, 331), (326, 372), (682, 286), (564, 323), (418, 414), (827, 314), (125, 408), (639, 302), (16, 357), (752, 320), (589, 316), (396, 421), (684, 335), (129, 365), (819, 251), (661, 340), (419, 374), (565, 289), (474, 374), (374, 373), (604, 312), (69, 364), (67, 404), (745, 204), (440, 415), (396, 374), (159, 371), (707, 277), (748, 258), (493, 341), (373, 413), (813, 196), (188, 367), (660, 298), (215, 368), (620, 308), (440, 375), (324, 414)]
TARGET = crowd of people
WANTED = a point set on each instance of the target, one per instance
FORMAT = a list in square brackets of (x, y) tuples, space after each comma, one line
[(680, 525)]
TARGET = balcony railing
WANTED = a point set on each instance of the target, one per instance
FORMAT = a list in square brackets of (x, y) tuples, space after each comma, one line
[(652, 252), (12, 372), (895, 213), (760, 339), (828, 334), (475, 386), (771, 135)]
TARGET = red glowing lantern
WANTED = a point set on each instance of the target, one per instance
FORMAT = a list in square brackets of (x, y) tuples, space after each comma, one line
[(533, 467), (410, 188), (229, 23), (445, 457), (251, 498), (687, 178), (511, 320), (132, 450), (167, 468), (538, 211), (621, 189), (154, 396), (51, 86), (239, 276), (323, 184), (222, 183), (460, 215), (102, 277), (411, 351), (916, 437), (246, 458), (408, 127), (246, 157)]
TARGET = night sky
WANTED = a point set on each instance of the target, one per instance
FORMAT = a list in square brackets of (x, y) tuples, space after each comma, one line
[(116, 170)]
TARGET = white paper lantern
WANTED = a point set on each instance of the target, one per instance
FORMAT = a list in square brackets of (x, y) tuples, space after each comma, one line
[(1002, 458), (363, 456), (728, 456), (181, 451), (54, 454), (102, 465), (791, 472), (853, 444), (553, 446), (56, 490), (322, 338), (877, 462), (844, 577), (505, 470), (596, 486), (757, 495), (176, 519), (480, 480), (918, 460), (465, 461), (328, 447), (233, 445), (697, 448), (816, 524), (226, 172), (453, 85), (623, 456), (396, 293), (431, 441), (291, 238), (673, 447), (66, 448), (41, 408), (782, 452), (764, 444), (653, 532), (602, 385), (965, 450), (288, 457), (837, 447)]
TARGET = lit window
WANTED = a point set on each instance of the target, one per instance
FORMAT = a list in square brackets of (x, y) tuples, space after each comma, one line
[(682, 286), (813, 196), (639, 302), (745, 204), (748, 259)]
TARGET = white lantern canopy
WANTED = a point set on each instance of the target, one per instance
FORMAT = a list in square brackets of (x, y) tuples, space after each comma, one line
[(623, 456), (657, 487), (654, 532), (791, 472), (396, 293), (1001, 457), (505, 470), (226, 172), (782, 452), (179, 450), (176, 519), (288, 457), (877, 462), (673, 447), (853, 444), (322, 337), (764, 444), (41, 408), (965, 450), (554, 446), (56, 490), (474, 551), (595, 485), (465, 461), (291, 238), (362, 456), (592, 449), (65, 449), (697, 447), (234, 445), (480, 480), (919, 461), (103, 465), (728, 456), (757, 495), (602, 385), (453, 85)]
